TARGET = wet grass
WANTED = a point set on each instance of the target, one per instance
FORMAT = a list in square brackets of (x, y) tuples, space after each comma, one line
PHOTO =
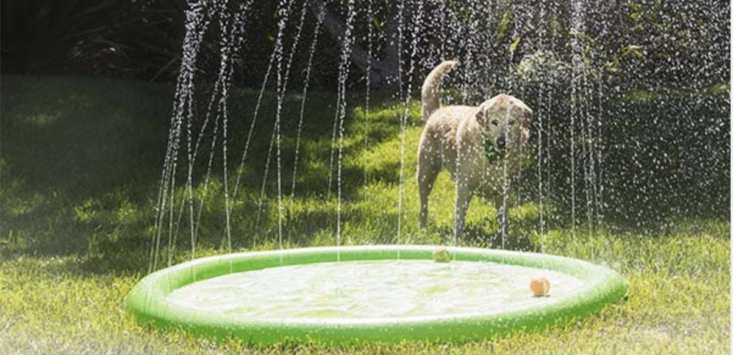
[(80, 162)]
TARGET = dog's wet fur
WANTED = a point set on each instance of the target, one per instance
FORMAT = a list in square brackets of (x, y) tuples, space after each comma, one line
[(454, 138)]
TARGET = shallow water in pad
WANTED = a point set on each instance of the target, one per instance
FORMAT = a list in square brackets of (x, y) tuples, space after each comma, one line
[(373, 289)]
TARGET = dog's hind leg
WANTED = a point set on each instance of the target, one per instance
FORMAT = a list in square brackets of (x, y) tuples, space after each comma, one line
[(428, 168)]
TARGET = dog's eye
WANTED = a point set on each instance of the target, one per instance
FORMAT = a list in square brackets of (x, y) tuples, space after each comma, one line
[(495, 122), (511, 123)]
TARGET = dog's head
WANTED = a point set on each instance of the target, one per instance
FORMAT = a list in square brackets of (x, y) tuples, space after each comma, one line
[(504, 120)]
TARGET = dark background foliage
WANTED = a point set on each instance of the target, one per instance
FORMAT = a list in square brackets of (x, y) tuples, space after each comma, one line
[(645, 43)]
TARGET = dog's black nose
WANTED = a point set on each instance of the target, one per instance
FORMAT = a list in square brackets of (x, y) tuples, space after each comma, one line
[(501, 142)]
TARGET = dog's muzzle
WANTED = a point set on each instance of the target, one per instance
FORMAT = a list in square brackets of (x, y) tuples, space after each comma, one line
[(501, 142)]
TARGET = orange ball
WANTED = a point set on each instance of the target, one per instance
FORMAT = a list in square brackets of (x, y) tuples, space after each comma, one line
[(540, 286)]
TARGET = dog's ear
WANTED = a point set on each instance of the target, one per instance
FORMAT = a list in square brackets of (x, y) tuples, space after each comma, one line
[(483, 109), (481, 116), (527, 116)]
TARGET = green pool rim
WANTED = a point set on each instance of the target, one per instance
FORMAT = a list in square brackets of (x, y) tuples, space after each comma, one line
[(147, 301)]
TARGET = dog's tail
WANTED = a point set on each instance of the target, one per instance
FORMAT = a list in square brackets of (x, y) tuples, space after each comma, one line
[(431, 88)]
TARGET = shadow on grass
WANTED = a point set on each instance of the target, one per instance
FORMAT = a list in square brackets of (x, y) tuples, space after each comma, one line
[(81, 166)]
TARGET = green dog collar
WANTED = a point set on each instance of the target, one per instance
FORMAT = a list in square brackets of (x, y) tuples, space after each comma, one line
[(492, 154)]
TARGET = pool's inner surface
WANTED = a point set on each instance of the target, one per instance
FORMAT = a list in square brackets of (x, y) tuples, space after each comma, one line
[(373, 289)]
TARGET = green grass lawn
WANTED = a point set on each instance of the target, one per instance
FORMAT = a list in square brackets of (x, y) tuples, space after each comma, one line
[(80, 163)]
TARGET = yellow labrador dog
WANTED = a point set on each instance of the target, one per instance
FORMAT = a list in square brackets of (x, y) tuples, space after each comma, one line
[(474, 143)]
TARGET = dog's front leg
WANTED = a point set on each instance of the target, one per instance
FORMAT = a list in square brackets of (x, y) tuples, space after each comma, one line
[(463, 199), (501, 215)]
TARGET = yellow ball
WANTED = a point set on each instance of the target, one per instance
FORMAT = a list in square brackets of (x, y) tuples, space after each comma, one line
[(540, 286), (441, 255)]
